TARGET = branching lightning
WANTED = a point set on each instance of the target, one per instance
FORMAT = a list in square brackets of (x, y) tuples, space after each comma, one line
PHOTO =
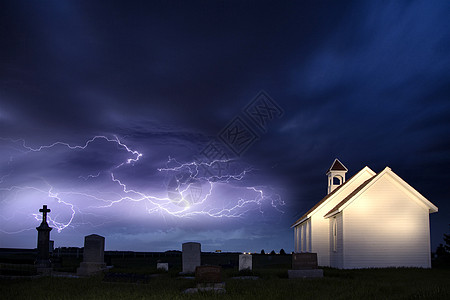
[(188, 194)]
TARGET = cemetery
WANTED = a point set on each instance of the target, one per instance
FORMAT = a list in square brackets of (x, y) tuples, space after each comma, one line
[(93, 273), (131, 275), (142, 280)]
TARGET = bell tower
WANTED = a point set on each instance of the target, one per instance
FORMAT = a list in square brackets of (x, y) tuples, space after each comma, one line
[(336, 175)]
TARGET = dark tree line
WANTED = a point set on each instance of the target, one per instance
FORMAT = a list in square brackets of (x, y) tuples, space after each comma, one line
[(443, 253), (447, 242), (282, 252)]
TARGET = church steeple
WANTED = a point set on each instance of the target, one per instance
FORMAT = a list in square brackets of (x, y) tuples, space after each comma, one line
[(336, 175)]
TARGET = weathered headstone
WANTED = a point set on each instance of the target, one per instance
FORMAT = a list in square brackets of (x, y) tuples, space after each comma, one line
[(208, 274), (162, 266), (93, 255), (245, 262), (43, 263), (209, 279), (304, 265), (304, 261), (191, 256)]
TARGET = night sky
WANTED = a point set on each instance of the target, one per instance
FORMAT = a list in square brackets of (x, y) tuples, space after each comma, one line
[(126, 117)]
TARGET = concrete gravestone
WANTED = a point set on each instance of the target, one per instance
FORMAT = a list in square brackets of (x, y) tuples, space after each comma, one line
[(93, 255), (304, 265), (162, 266), (245, 262), (191, 257)]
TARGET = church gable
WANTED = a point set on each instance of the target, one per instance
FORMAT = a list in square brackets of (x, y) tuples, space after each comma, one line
[(337, 195), (395, 182), (385, 225)]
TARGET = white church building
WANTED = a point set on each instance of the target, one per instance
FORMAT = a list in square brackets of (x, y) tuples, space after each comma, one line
[(369, 221)]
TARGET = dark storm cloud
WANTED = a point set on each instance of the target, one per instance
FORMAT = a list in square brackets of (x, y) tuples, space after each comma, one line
[(375, 92), (87, 62)]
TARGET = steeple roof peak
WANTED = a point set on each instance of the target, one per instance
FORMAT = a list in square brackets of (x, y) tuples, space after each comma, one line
[(337, 166)]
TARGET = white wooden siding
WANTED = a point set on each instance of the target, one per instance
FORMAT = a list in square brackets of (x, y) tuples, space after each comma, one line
[(384, 227), (320, 238)]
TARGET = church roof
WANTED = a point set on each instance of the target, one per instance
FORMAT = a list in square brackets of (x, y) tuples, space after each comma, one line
[(351, 195), (321, 201), (359, 188), (337, 166), (336, 209)]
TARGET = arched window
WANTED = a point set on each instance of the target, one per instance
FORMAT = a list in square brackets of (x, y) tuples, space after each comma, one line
[(337, 180)]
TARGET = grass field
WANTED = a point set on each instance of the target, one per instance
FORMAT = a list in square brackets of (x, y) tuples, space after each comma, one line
[(273, 284)]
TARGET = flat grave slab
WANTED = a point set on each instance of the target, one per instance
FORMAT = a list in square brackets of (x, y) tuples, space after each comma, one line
[(246, 277), (317, 273), (126, 278)]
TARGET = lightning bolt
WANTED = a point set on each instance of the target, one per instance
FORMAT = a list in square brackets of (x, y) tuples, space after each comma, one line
[(188, 197), (235, 210), (80, 147)]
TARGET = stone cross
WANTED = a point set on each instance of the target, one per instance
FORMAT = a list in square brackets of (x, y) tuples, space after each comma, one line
[(44, 212), (43, 262)]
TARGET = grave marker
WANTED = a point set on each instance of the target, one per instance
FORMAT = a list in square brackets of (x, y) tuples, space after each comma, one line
[(245, 262), (93, 255), (191, 256), (43, 262), (304, 261), (162, 266), (209, 279), (208, 274), (304, 265)]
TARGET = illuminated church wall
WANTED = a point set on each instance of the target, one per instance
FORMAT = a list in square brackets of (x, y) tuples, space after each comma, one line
[(386, 227)]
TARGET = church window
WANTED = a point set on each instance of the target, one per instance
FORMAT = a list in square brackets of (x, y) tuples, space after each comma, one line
[(337, 180), (334, 229)]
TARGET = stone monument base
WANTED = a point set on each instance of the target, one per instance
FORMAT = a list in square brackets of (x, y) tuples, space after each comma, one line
[(90, 268), (314, 273)]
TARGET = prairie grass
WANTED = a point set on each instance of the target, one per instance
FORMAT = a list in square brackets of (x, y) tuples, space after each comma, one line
[(402, 283)]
